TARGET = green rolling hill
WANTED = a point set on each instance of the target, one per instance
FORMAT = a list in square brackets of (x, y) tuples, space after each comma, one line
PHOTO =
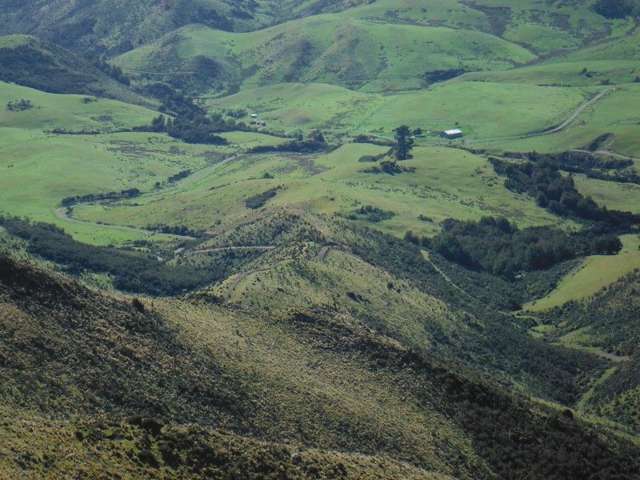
[(31, 62), (328, 49)]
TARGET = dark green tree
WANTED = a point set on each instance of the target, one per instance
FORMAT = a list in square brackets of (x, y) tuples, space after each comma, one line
[(158, 124), (404, 142), (616, 8)]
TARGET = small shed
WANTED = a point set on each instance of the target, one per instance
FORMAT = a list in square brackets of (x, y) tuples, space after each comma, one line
[(453, 134)]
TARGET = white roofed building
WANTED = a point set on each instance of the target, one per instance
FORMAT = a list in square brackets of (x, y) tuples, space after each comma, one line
[(453, 133)]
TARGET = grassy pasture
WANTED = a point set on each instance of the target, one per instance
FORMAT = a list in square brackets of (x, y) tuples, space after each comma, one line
[(379, 46), (569, 73), (613, 195), (616, 113), (594, 274), (446, 183), (71, 112), (485, 111), (39, 170)]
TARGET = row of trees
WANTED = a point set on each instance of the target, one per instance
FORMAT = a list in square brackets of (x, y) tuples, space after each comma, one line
[(314, 142), (131, 270), (100, 197), (617, 8), (557, 193)]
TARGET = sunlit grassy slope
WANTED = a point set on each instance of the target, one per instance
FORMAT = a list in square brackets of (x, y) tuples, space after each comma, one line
[(376, 45), (485, 111), (615, 114), (594, 274), (69, 112), (446, 183), (332, 49)]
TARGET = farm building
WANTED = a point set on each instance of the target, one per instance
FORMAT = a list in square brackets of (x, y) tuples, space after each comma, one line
[(452, 134)]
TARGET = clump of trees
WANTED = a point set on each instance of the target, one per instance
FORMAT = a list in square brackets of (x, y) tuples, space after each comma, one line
[(258, 201), (404, 142), (593, 166), (390, 167), (581, 162), (435, 76), (113, 71), (313, 143), (19, 105), (101, 197), (131, 271), (617, 8), (194, 128), (499, 247), (179, 176), (181, 230), (371, 214)]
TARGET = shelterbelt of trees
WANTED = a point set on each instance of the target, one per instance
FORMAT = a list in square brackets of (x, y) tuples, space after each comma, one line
[(499, 247)]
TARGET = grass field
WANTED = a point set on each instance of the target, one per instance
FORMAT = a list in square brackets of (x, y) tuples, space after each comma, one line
[(40, 169), (594, 274), (485, 111), (446, 183), (616, 113), (70, 112), (564, 74), (613, 195)]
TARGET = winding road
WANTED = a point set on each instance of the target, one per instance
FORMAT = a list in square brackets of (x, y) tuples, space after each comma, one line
[(572, 118)]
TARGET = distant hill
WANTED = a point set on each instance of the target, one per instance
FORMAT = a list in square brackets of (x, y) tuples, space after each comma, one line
[(329, 49), (34, 63), (378, 46), (117, 25)]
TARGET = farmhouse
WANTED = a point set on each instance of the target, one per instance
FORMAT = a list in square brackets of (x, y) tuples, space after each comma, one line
[(454, 133)]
